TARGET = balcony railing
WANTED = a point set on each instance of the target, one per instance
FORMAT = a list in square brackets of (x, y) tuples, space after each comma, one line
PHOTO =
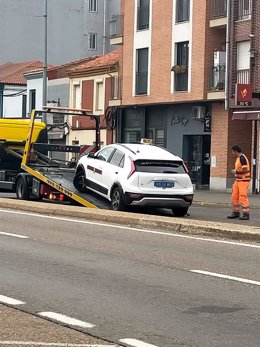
[(217, 77), (218, 8), (116, 25), (243, 76), (244, 9)]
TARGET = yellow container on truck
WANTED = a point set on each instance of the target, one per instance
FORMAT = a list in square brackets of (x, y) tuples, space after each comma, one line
[(17, 130)]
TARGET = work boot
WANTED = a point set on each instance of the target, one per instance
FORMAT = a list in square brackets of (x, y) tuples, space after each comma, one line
[(233, 215), (245, 216)]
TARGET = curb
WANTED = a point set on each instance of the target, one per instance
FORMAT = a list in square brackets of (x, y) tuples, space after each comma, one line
[(162, 223)]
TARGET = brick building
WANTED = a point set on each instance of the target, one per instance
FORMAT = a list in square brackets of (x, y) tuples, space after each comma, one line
[(175, 89)]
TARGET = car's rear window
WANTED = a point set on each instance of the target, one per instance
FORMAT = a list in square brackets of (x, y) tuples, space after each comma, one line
[(160, 166)]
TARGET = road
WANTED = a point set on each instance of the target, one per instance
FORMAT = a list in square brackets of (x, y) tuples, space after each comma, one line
[(212, 213), (129, 285)]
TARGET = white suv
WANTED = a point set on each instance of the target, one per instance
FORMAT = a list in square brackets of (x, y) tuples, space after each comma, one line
[(136, 175)]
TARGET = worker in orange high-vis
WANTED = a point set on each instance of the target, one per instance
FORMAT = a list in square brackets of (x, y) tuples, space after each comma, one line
[(239, 196)]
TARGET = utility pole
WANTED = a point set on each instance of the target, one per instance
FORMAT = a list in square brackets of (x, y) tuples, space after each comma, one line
[(44, 72)]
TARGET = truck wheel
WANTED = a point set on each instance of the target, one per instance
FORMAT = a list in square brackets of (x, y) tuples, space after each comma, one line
[(22, 191)]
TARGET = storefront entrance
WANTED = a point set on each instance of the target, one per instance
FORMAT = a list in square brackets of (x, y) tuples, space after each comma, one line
[(196, 153)]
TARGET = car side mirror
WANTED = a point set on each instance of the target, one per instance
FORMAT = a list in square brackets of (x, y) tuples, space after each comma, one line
[(91, 155)]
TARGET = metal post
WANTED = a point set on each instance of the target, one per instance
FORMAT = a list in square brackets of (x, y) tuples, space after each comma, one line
[(44, 73), (1, 99)]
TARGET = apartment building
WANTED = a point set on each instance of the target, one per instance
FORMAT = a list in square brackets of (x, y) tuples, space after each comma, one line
[(175, 90), (76, 29)]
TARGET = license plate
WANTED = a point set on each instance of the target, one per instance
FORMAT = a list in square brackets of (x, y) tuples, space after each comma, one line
[(160, 184)]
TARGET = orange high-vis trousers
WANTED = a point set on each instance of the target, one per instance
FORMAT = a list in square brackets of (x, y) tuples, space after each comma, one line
[(239, 196)]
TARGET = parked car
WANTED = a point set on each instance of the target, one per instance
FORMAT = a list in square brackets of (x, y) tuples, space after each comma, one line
[(136, 175)]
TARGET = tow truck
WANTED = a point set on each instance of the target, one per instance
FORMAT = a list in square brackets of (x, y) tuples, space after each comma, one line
[(27, 168)]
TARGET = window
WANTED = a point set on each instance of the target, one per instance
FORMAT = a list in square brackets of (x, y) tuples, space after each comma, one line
[(32, 99), (76, 96), (143, 14), (243, 62), (105, 153), (182, 10), (244, 9), (118, 158), (160, 166), (157, 135), (92, 5), (93, 41), (181, 67), (141, 71), (24, 100), (99, 96)]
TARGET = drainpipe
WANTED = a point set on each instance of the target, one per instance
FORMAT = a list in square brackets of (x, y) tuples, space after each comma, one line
[(227, 56), (1, 99)]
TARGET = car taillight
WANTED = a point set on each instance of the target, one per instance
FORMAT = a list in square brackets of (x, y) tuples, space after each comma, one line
[(185, 168), (133, 168)]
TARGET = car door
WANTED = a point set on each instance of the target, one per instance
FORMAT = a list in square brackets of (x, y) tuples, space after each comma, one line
[(115, 170), (97, 170)]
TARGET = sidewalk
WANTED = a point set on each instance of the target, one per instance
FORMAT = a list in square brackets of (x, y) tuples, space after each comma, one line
[(207, 197)]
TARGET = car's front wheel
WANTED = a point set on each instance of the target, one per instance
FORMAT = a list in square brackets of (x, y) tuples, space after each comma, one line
[(79, 181), (117, 200), (180, 211)]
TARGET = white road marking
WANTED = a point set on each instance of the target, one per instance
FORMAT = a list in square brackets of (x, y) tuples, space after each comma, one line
[(232, 278), (135, 229), (10, 301), (14, 235), (136, 343), (32, 343), (65, 319)]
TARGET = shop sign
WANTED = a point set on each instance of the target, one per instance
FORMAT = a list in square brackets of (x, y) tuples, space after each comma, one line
[(244, 94), (207, 124)]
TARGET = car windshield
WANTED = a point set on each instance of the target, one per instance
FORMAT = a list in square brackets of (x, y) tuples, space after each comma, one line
[(160, 166)]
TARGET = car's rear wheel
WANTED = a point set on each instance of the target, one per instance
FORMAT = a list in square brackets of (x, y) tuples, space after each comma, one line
[(79, 182), (117, 200), (180, 211)]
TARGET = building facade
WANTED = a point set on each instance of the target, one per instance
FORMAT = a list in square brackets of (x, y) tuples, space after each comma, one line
[(176, 56)]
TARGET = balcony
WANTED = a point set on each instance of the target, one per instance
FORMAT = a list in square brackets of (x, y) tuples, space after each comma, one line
[(244, 9), (217, 77), (116, 25), (218, 13)]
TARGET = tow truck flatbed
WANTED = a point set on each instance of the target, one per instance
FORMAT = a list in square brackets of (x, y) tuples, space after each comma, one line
[(40, 175)]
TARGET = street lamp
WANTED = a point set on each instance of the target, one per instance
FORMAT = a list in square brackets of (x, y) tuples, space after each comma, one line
[(44, 74)]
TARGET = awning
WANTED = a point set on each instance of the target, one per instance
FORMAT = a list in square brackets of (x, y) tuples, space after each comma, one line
[(246, 115)]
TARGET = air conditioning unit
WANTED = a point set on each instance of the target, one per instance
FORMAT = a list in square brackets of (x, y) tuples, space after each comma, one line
[(198, 112)]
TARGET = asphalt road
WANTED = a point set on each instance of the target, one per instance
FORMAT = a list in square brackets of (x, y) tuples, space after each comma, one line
[(197, 212), (121, 283)]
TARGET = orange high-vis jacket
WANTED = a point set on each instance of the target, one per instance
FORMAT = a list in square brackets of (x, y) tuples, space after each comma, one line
[(242, 163)]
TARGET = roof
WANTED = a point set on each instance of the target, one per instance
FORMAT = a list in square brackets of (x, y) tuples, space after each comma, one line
[(145, 151), (98, 62), (13, 73)]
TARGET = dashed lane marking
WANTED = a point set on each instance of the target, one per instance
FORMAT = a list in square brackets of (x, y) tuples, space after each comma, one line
[(136, 343), (51, 344), (232, 278), (14, 235), (10, 301), (65, 319)]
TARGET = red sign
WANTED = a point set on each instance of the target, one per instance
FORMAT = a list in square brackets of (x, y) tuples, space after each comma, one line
[(244, 94)]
